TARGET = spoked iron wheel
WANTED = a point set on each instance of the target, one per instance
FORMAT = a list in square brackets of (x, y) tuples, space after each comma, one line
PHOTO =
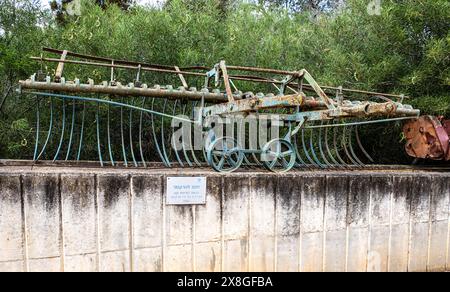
[(279, 155), (225, 155)]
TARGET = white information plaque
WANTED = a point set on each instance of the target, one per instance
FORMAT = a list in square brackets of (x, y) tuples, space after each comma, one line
[(186, 191)]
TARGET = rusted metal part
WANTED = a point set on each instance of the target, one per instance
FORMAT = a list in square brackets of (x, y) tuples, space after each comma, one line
[(446, 125), (255, 104), (127, 90), (427, 138)]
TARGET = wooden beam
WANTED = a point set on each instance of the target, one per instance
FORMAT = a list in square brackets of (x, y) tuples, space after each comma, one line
[(183, 81), (226, 81), (60, 68)]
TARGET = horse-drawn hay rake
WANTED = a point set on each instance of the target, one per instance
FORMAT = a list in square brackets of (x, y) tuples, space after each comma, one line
[(215, 124)]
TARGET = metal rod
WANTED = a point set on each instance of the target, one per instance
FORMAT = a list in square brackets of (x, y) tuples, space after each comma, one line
[(112, 103), (344, 146), (322, 153), (190, 138), (98, 134), (72, 127), (327, 147), (83, 116), (50, 127), (140, 133), (361, 147), (169, 69), (313, 152), (361, 123), (36, 145), (154, 136), (130, 130), (122, 136), (114, 65), (163, 144), (173, 144), (342, 162), (108, 129), (305, 150), (350, 146)]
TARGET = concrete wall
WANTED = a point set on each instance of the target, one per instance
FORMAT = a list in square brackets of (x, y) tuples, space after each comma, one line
[(117, 220)]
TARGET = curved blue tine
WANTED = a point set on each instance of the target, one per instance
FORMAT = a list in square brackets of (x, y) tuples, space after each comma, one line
[(361, 147), (63, 128), (109, 137), (155, 140), (173, 146), (72, 127), (130, 130), (313, 152), (327, 148), (300, 161), (342, 162), (140, 133), (186, 157), (297, 165), (196, 160), (99, 149), (163, 142), (344, 145), (124, 152), (350, 146), (246, 161), (83, 115), (322, 153), (36, 145), (50, 128), (305, 150)]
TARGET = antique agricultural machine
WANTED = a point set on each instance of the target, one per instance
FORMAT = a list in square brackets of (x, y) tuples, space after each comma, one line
[(310, 125)]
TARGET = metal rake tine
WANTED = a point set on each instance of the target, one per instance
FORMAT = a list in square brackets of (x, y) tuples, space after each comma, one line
[(342, 162), (186, 156), (313, 152), (361, 147), (246, 161), (130, 130), (300, 162), (322, 153), (327, 148), (122, 136), (344, 145), (190, 140), (98, 135), (50, 129), (83, 116), (154, 137), (36, 145), (350, 144), (63, 128), (305, 150), (108, 129), (204, 135), (163, 144), (72, 127), (173, 146), (140, 133), (294, 144)]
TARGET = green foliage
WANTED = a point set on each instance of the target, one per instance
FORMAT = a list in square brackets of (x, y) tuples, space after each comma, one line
[(406, 49)]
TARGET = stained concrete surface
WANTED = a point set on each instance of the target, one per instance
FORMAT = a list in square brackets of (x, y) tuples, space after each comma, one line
[(92, 219)]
